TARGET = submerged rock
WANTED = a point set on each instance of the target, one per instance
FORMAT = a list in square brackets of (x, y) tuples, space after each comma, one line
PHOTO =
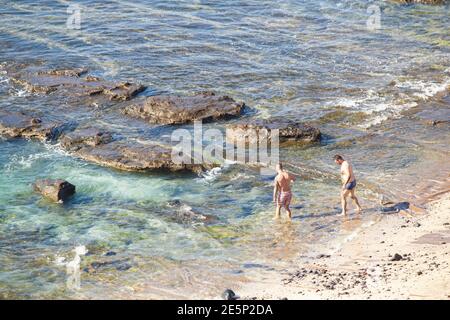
[(184, 213), (177, 109), (72, 82), (20, 125), (119, 265), (260, 130), (55, 190)]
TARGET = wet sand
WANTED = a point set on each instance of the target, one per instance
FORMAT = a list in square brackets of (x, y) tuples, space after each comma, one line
[(399, 257)]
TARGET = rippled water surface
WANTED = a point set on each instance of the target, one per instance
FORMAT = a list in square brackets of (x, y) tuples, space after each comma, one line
[(371, 92)]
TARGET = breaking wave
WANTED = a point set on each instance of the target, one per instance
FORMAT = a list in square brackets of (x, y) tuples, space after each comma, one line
[(381, 106)]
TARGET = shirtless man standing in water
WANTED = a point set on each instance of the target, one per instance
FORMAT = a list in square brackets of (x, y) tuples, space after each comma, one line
[(282, 194), (348, 183)]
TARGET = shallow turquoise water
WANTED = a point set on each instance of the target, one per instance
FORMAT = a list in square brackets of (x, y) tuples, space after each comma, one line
[(369, 92)]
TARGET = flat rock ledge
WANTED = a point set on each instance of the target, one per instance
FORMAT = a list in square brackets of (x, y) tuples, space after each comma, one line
[(206, 106), (259, 130), (100, 147), (55, 190), (73, 82), (20, 125)]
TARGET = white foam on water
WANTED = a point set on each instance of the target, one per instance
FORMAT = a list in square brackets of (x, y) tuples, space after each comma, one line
[(214, 173), (385, 112), (17, 162), (73, 267), (424, 90), (55, 148), (3, 78), (79, 251), (383, 107), (60, 261), (25, 162), (19, 92), (210, 175)]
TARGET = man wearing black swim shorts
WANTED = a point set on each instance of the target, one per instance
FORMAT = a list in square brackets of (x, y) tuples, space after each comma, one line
[(348, 184)]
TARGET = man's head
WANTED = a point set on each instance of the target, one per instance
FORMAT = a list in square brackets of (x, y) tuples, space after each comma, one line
[(338, 159), (279, 167)]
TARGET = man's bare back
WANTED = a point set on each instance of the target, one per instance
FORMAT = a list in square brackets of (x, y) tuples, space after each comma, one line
[(283, 180), (282, 194)]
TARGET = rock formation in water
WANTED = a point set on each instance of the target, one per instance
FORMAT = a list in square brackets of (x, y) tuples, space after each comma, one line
[(184, 213), (122, 151), (20, 125), (72, 82), (55, 190), (84, 137), (260, 130), (204, 106), (131, 155)]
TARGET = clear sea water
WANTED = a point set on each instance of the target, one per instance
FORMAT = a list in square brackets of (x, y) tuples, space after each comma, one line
[(371, 92)]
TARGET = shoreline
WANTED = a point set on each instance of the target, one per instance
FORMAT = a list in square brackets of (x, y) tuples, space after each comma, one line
[(398, 257)]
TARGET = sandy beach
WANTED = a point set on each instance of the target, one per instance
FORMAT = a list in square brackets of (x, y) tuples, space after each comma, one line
[(399, 257)]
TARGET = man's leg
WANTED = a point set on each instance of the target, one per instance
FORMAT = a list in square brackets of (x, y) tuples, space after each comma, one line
[(355, 200), (288, 211), (277, 211), (344, 195)]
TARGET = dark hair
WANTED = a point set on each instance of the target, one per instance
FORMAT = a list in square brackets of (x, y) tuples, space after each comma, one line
[(338, 157), (281, 165)]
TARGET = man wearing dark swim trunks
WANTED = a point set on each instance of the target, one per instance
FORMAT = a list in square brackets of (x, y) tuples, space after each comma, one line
[(282, 194), (348, 184)]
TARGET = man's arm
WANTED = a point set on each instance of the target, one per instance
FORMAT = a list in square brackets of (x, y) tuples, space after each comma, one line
[(292, 177), (346, 175), (275, 190)]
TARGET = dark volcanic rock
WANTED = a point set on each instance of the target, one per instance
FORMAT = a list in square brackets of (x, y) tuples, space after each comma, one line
[(260, 130), (396, 257), (177, 109), (55, 190), (99, 147), (229, 294), (396, 207), (16, 124), (72, 82)]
